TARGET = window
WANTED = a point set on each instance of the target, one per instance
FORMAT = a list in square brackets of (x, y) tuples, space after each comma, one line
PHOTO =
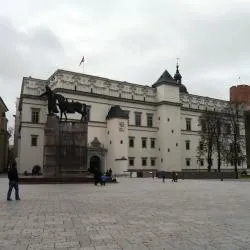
[(88, 113), (203, 126), (239, 162), (153, 161), (131, 142), (144, 142), (127, 113), (149, 120), (231, 147), (188, 124), (187, 162), (228, 129), (237, 129), (131, 161), (137, 119), (202, 162), (152, 142), (144, 161), (34, 140), (187, 145), (35, 115), (238, 148), (201, 145)]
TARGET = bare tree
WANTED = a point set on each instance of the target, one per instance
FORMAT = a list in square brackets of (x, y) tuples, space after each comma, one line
[(218, 137), (235, 153), (208, 125)]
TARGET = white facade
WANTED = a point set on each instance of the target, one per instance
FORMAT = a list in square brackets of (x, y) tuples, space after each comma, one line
[(168, 108)]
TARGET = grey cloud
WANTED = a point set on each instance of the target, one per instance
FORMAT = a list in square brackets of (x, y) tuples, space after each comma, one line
[(23, 54), (222, 41), (21, 51), (44, 39)]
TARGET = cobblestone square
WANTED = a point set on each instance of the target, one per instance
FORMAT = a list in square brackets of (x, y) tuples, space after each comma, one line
[(133, 214)]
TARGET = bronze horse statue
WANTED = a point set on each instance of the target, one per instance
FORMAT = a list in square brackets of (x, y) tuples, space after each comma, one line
[(71, 107)]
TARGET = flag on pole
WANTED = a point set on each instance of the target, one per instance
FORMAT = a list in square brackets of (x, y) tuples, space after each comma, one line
[(82, 61)]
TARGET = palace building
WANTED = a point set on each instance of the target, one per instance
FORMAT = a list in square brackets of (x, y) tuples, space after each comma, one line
[(131, 127), (4, 137)]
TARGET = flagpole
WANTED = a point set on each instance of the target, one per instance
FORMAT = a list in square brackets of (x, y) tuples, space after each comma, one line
[(82, 62)]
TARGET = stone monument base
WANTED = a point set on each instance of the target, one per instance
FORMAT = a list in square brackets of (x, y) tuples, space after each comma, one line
[(65, 148)]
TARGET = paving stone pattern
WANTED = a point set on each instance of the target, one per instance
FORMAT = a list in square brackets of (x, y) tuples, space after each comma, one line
[(134, 214)]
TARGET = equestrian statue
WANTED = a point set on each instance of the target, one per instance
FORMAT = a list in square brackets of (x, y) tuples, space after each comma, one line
[(51, 96), (64, 105)]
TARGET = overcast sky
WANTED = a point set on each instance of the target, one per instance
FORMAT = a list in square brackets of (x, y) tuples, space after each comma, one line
[(132, 40)]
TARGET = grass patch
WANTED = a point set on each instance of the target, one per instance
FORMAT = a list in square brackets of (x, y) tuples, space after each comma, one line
[(245, 177)]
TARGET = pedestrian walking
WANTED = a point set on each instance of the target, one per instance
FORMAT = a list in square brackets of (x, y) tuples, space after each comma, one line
[(173, 176), (13, 182), (176, 177)]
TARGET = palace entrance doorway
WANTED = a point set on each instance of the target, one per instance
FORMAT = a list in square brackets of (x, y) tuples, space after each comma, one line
[(95, 164)]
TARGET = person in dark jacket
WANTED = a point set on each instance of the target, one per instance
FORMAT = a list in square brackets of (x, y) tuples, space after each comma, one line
[(173, 176), (97, 176), (13, 181)]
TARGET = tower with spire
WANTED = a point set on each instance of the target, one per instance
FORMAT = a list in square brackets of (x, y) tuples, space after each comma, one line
[(177, 75), (178, 79), (169, 121)]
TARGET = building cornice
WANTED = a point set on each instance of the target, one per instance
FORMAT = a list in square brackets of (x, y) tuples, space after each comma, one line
[(175, 84), (34, 97), (177, 104), (203, 111), (143, 128), (114, 98)]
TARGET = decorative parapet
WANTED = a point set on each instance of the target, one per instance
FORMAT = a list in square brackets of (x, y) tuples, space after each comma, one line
[(202, 103), (92, 84), (32, 86)]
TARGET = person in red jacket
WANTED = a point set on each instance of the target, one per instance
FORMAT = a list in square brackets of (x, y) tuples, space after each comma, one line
[(13, 181)]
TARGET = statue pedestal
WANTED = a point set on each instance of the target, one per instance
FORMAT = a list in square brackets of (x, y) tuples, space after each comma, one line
[(65, 147)]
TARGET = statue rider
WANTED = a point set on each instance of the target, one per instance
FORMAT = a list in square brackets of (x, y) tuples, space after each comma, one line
[(51, 100)]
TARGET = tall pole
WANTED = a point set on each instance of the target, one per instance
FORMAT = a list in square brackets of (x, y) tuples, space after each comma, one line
[(82, 62), (177, 59)]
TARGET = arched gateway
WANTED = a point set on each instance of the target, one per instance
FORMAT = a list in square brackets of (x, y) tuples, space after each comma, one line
[(95, 164), (96, 155)]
